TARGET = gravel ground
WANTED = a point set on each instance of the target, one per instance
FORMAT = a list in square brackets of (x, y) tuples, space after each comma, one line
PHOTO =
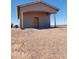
[(39, 44)]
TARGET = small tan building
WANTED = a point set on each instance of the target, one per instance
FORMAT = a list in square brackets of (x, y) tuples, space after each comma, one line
[(35, 14)]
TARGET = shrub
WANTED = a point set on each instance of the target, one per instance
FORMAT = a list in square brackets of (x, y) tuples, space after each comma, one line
[(16, 26), (11, 25)]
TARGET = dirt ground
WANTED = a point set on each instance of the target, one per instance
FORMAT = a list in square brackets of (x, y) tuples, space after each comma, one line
[(39, 44)]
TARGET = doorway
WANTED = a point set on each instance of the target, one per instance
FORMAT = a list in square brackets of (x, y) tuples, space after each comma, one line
[(36, 22)]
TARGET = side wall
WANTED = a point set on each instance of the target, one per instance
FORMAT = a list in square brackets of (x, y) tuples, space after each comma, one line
[(28, 19)]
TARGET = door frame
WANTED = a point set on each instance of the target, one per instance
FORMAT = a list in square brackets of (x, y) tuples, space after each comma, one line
[(36, 22)]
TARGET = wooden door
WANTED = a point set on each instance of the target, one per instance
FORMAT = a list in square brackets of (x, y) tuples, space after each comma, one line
[(36, 22)]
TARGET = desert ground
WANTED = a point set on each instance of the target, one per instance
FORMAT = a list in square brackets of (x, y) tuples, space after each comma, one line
[(39, 43)]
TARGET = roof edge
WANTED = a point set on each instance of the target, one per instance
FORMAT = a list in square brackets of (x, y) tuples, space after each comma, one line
[(22, 5)]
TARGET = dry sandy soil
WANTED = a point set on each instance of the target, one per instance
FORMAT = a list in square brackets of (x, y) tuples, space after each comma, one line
[(39, 44)]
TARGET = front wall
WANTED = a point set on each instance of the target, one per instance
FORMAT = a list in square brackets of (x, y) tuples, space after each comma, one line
[(44, 19)]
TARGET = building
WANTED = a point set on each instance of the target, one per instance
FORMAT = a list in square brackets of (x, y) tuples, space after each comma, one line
[(35, 14)]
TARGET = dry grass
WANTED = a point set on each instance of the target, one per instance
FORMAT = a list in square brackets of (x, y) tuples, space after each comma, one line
[(39, 44)]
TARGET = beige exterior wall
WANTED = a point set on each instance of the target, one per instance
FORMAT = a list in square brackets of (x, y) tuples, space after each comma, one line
[(28, 19)]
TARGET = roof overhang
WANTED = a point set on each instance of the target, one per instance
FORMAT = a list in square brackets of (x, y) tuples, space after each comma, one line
[(27, 4)]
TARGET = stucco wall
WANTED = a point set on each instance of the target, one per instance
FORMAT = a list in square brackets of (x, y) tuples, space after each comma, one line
[(28, 19)]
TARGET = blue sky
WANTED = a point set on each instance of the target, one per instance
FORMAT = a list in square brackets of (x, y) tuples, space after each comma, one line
[(61, 16)]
